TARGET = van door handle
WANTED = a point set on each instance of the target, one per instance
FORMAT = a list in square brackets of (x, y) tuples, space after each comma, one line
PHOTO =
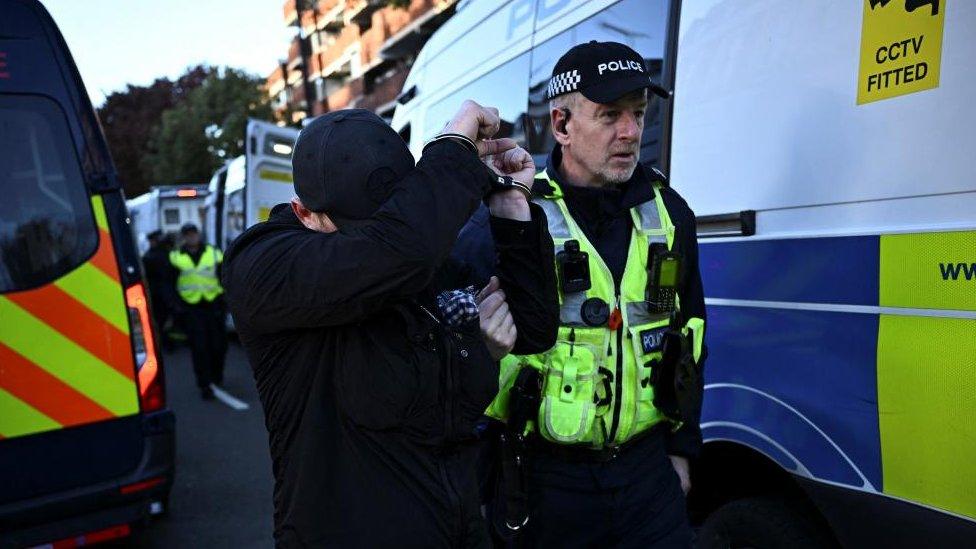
[(730, 224)]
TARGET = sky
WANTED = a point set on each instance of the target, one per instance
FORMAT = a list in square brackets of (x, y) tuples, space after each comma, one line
[(119, 42)]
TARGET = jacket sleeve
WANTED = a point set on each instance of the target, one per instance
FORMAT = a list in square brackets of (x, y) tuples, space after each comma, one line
[(687, 441), (526, 270), (303, 279)]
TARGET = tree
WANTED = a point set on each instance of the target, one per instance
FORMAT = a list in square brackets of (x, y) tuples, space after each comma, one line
[(129, 118), (196, 136)]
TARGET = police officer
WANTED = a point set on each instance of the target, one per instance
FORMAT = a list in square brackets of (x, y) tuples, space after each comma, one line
[(200, 306), (159, 275), (612, 409)]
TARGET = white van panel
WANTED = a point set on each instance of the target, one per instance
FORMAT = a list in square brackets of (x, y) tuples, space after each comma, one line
[(487, 28), (488, 35), (919, 214), (233, 198), (269, 179), (236, 175), (766, 117), (555, 16), (176, 212)]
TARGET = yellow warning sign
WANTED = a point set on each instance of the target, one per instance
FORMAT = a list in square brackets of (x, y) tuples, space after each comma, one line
[(901, 48)]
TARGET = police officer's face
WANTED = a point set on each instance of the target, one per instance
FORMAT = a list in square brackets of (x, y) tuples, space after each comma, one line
[(191, 238), (604, 139)]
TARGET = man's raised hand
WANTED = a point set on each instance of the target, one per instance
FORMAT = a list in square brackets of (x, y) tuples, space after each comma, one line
[(474, 121)]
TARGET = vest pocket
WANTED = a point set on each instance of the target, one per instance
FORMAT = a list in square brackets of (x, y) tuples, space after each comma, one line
[(647, 341), (568, 411)]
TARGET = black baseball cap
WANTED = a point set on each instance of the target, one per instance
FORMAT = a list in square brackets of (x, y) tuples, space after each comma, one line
[(346, 162), (602, 71), (189, 228)]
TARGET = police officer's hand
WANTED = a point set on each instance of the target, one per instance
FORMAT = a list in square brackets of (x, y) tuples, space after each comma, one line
[(497, 325), (474, 122)]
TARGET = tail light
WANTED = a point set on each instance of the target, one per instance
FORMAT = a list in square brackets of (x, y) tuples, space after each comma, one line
[(152, 390), (141, 486), (92, 538)]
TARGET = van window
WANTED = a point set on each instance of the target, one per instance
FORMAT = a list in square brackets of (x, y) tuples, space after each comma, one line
[(275, 145), (640, 24), (503, 87), (171, 216), (46, 222)]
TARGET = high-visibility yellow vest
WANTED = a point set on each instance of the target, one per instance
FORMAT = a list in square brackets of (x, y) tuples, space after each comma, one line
[(596, 380), (197, 281)]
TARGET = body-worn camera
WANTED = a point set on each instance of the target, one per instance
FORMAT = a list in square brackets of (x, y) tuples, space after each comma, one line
[(664, 277), (574, 268)]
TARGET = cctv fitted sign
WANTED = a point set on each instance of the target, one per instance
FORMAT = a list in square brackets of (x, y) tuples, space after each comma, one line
[(901, 48)]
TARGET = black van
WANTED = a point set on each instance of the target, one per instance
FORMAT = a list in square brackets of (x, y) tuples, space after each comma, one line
[(86, 438)]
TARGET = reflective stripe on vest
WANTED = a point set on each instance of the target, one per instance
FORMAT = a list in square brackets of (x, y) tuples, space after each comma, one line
[(584, 361), (197, 281)]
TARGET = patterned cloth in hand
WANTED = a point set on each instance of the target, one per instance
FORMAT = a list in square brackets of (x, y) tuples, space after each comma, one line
[(458, 307)]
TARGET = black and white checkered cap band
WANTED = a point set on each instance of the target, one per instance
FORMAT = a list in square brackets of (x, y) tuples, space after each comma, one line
[(563, 83)]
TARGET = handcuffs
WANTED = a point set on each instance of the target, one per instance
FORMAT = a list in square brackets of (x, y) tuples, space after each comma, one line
[(499, 183)]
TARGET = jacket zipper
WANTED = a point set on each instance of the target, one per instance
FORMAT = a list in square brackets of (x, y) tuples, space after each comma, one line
[(449, 414)]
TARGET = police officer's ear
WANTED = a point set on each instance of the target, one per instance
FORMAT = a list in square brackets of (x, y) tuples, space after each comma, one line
[(560, 121)]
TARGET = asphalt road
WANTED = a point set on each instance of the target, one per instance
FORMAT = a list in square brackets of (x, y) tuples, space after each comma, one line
[(222, 491)]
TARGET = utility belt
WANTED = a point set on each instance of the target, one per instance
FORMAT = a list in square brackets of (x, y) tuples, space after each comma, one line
[(585, 454), (676, 381)]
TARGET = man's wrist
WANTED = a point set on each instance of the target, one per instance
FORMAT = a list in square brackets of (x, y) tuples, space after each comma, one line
[(511, 204), (458, 138), (505, 183), (468, 129)]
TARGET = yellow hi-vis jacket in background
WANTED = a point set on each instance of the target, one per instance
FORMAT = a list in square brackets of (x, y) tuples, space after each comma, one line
[(198, 281)]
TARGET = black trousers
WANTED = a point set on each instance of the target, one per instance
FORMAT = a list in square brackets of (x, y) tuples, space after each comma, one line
[(204, 325), (634, 500)]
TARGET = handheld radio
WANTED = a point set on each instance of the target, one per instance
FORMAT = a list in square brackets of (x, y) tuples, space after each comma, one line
[(663, 277)]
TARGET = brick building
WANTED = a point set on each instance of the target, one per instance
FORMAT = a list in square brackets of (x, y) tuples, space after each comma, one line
[(350, 53)]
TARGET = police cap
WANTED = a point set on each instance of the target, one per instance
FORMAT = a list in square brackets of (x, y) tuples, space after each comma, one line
[(602, 71)]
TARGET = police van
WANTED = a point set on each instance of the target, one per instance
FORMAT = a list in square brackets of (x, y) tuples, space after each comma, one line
[(243, 191), (86, 438), (166, 208), (826, 146)]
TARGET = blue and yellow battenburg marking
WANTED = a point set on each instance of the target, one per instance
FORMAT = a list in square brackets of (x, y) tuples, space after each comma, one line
[(854, 385)]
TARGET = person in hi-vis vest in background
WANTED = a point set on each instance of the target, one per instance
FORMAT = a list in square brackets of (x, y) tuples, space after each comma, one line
[(200, 306)]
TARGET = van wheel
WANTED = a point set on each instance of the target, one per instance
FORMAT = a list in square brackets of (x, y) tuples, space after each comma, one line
[(761, 523)]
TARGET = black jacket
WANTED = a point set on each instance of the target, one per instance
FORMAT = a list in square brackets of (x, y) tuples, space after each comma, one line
[(370, 402), (161, 276), (604, 217)]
